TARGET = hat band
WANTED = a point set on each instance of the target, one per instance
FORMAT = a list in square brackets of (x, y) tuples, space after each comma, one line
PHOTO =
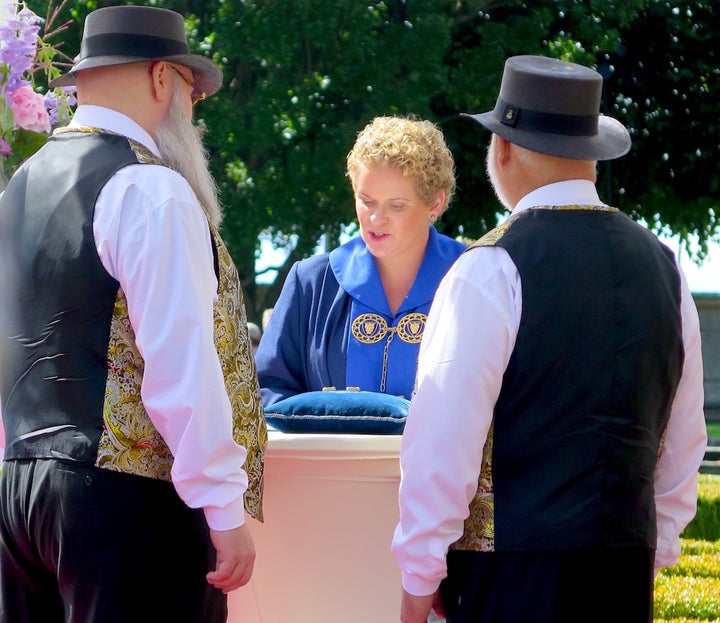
[(545, 122), (126, 44)]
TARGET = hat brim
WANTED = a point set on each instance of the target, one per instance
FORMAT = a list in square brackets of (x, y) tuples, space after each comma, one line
[(611, 141), (208, 76)]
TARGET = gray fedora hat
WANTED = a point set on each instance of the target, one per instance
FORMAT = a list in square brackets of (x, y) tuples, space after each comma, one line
[(118, 35), (553, 107)]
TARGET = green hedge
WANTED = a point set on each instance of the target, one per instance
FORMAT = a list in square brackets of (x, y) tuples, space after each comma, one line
[(689, 592), (706, 524)]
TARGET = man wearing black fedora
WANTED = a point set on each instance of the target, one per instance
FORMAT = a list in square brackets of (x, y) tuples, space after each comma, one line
[(550, 455), (134, 428)]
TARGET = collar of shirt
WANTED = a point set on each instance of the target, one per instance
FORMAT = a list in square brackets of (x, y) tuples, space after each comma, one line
[(112, 121), (356, 271), (568, 192)]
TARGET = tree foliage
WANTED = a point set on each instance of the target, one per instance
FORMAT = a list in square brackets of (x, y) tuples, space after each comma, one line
[(303, 77), (667, 90)]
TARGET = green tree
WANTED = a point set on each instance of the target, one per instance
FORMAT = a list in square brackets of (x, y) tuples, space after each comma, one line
[(302, 80), (665, 83), (303, 77)]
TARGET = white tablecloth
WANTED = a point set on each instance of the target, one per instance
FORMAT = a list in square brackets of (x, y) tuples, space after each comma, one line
[(323, 552)]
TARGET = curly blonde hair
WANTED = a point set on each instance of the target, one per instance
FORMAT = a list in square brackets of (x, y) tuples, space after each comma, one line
[(414, 146)]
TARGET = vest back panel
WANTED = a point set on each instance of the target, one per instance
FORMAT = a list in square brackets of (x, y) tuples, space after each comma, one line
[(57, 298), (587, 393)]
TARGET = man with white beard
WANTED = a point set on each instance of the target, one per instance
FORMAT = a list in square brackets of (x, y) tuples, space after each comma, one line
[(135, 435)]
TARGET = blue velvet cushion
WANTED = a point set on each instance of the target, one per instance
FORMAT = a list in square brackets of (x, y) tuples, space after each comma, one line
[(369, 413)]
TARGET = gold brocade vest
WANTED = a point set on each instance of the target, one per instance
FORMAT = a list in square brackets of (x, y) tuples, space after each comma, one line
[(479, 530), (129, 441), (232, 342)]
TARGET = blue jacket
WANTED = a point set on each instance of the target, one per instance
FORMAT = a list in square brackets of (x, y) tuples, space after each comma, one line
[(332, 324)]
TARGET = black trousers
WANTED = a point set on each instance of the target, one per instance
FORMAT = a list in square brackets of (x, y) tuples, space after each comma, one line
[(592, 586), (85, 545)]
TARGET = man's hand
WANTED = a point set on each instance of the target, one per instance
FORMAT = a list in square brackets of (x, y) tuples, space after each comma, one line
[(235, 558), (416, 609)]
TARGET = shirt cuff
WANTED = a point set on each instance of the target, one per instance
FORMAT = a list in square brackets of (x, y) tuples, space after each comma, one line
[(226, 518), (667, 553), (417, 585)]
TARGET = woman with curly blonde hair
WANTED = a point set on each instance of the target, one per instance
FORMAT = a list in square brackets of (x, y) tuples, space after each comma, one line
[(354, 317)]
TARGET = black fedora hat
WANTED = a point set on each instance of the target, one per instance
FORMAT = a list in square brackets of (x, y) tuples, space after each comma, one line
[(553, 107), (119, 35)]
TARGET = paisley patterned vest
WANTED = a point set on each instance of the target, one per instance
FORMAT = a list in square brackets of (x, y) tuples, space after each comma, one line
[(586, 395), (99, 418)]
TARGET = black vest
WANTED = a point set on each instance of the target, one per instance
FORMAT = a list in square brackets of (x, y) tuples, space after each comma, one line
[(587, 393), (57, 298)]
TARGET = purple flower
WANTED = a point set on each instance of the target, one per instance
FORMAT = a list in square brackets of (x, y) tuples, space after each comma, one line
[(69, 94), (51, 103), (58, 105), (18, 45), (22, 52)]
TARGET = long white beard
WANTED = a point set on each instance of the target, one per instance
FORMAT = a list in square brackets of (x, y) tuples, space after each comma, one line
[(492, 174), (181, 147)]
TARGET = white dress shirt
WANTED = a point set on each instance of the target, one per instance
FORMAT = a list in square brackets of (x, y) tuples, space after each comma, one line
[(469, 338)]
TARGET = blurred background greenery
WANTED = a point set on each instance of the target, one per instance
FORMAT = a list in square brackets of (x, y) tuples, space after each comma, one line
[(302, 77)]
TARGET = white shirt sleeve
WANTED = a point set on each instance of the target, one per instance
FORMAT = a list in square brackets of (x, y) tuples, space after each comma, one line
[(153, 237), (468, 340), (684, 444)]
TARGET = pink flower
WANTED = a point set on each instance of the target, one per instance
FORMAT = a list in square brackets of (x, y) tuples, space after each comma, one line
[(29, 109), (4, 147)]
